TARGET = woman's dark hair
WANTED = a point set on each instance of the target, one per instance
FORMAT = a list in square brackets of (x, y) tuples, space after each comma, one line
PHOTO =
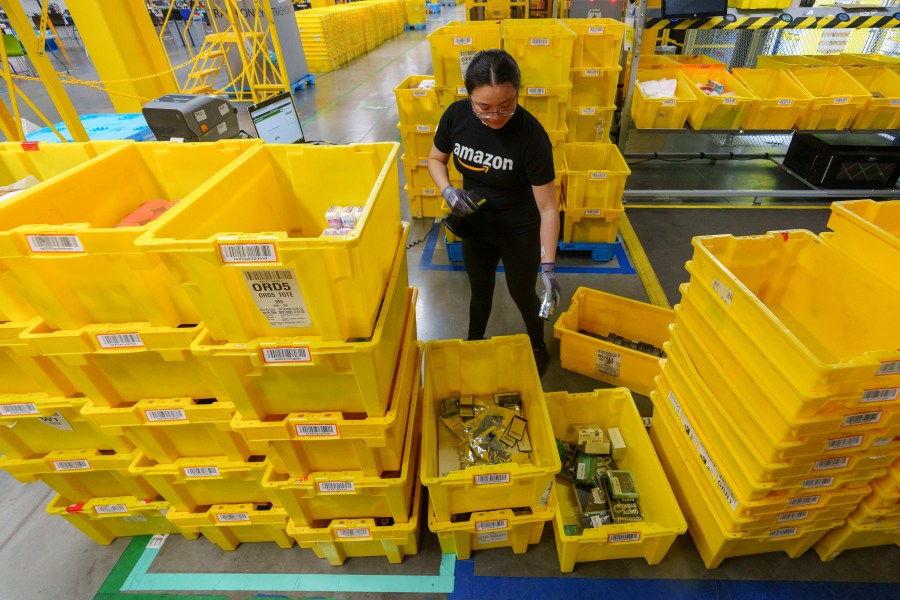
[(492, 67)]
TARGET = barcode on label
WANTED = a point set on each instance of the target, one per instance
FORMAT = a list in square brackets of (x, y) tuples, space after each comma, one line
[(165, 415), (895, 102), (545, 497), (419, 93), (492, 478), (9, 410), (847, 442), (596, 30), (793, 516), (317, 430), (676, 405), (841, 100), (615, 538), (783, 532), (832, 463), (493, 537), (423, 128), (336, 486), (536, 91), (540, 41), (354, 533), (286, 355), (109, 509), (785, 102), (818, 482), (889, 368), (862, 419), (71, 465), (429, 192), (804, 501), (488, 525), (882, 395), (232, 517), (599, 174), (592, 212), (724, 292), (201, 471), (588, 110), (247, 253), (120, 340), (669, 102), (462, 41), (729, 100), (592, 72), (423, 162), (54, 243), (461, 91)]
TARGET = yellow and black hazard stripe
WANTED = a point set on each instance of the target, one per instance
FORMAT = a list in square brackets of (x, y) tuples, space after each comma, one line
[(785, 21)]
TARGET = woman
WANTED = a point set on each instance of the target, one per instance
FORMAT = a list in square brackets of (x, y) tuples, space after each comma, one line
[(506, 160)]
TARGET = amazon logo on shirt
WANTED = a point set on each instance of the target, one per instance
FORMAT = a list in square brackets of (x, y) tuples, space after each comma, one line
[(482, 161)]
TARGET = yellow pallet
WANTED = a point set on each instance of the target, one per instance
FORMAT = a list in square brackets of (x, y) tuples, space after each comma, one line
[(323, 495), (594, 87), (541, 47), (169, 429), (786, 293), (595, 176), (304, 442), (230, 525), (837, 98), (362, 537), (72, 264), (649, 539), (869, 232), (662, 113), (23, 370), (80, 475), (501, 364), (589, 123), (852, 535), (455, 40), (415, 104), (219, 238), (602, 313), (711, 537), (31, 425), (598, 43), (490, 529), (125, 363), (270, 378), (424, 203), (718, 112), (592, 225), (548, 104), (886, 490), (780, 99), (105, 519)]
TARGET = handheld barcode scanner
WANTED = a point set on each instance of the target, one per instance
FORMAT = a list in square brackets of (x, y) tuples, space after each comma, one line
[(458, 226)]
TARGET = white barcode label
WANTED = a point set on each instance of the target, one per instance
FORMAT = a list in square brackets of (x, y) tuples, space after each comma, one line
[(489, 525), (723, 291), (222, 127), (462, 41), (71, 465), (232, 517), (56, 421), (841, 100), (317, 430), (842, 443), (616, 538), (429, 192), (883, 441), (12, 410), (793, 516), (895, 102), (730, 498), (120, 340), (889, 368), (247, 253), (881, 395), (785, 102), (423, 128), (461, 91), (817, 482), (166, 415), (493, 537), (536, 91), (110, 509), (832, 463), (729, 100), (359, 532), (783, 532), (492, 478), (676, 405), (596, 30), (545, 497), (157, 541), (862, 419), (201, 471), (420, 93), (336, 486), (588, 110), (54, 243), (599, 174), (593, 212), (609, 363), (278, 297), (423, 162), (804, 501), (540, 41), (669, 102), (286, 355)]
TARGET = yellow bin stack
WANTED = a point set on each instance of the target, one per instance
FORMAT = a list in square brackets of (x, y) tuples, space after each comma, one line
[(777, 407), (488, 505)]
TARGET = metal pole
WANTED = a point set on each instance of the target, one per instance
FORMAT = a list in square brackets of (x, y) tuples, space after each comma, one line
[(625, 120)]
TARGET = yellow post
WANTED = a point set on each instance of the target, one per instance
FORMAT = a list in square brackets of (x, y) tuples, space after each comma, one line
[(25, 28), (122, 43)]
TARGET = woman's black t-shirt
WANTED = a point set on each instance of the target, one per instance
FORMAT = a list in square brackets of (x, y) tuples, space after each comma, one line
[(498, 164)]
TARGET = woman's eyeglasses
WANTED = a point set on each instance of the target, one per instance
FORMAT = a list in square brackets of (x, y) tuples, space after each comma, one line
[(488, 114)]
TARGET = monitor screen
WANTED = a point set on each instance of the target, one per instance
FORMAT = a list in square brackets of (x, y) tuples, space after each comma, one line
[(276, 120), (689, 9)]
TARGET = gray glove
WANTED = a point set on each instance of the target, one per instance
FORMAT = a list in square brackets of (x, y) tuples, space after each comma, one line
[(462, 203)]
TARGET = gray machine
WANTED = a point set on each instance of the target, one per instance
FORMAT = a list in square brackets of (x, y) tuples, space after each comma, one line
[(193, 118)]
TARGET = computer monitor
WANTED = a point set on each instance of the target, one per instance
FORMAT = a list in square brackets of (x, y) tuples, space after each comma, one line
[(691, 9), (276, 120)]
